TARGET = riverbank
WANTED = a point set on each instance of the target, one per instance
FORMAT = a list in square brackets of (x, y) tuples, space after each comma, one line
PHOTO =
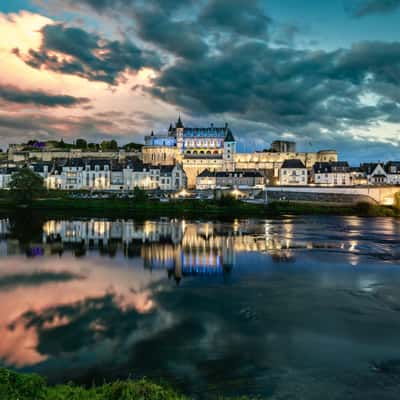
[(225, 208)]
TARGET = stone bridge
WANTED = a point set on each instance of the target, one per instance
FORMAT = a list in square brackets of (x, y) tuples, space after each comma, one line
[(383, 195)]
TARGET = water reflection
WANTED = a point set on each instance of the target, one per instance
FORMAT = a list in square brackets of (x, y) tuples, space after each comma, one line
[(167, 243), (277, 301)]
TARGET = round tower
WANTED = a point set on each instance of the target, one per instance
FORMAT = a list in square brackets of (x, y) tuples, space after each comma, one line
[(229, 144)]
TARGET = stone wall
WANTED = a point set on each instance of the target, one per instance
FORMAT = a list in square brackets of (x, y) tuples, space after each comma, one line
[(343, 194), (318, 197)]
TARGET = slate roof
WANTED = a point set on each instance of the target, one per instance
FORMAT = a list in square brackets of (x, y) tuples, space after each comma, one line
[(229, 136), (179, 124), (295, 163), (368, 168), (322, 167), (331, 167), (39, 167), (97, 162), (393, 167), (206, 174)]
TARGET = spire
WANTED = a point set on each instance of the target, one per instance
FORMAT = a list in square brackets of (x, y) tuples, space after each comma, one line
[(229, 136), (179, 124), (152, 133)]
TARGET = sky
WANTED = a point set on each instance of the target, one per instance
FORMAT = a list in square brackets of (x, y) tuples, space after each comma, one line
[(325, 74)]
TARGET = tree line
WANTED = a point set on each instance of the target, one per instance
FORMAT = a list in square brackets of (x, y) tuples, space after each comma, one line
[(81, 144)]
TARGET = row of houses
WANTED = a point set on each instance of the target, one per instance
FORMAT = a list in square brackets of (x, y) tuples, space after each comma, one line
[(339, 173), (117, 175), (102, 174)]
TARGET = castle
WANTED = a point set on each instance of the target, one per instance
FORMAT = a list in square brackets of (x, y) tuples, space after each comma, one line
[(214, 149)]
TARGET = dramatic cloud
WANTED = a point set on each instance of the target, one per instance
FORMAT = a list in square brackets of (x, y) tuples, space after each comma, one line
[(367, 7), (244, 17), (74, 51), (185, 28), (287, 88), (181, 38), (14, 94), (237, 60)]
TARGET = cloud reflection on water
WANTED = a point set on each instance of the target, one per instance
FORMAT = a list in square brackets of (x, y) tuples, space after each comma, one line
[(112, 311)]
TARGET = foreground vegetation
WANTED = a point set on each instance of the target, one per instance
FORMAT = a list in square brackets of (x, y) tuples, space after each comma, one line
[(16, 386)]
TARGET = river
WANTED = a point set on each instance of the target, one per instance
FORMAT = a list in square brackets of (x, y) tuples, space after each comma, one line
[(288, 308)]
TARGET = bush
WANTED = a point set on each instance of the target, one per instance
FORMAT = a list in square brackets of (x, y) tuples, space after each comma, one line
[(15, 386), (227, 200), (364, 208), (140, 195)]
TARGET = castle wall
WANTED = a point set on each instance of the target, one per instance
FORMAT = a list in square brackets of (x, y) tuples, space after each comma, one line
[(194, 167), (159, 155)]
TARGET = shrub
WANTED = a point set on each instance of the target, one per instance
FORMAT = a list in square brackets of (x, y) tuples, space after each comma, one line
[(364, 208), (139, 195), (15, 386)]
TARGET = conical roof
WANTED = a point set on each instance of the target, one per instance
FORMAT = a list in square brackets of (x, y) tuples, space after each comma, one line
[(229, 136), (179, 124)]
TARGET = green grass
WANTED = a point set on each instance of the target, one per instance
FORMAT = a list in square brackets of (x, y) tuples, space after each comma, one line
[(17, 386), (59, 203)]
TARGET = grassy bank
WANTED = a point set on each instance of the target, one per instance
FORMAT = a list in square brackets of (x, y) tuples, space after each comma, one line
[(16, 386), (224, 208)]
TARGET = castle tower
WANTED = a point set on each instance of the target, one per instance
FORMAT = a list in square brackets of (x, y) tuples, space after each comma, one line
[(179, 135), (229, 144)]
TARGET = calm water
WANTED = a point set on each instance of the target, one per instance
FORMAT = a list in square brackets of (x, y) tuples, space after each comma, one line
[(295, 308)]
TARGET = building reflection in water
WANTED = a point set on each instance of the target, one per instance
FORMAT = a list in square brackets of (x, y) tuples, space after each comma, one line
[(182, 249), (186, 248)]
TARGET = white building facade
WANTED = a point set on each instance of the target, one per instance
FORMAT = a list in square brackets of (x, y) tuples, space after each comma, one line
[(293, 173)]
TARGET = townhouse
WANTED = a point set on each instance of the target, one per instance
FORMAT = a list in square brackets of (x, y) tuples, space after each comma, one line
[(293, 173), (332, 174), (225, 179)]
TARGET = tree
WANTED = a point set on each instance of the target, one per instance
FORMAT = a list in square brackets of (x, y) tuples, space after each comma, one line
[(132, 146), (93, 146), (139, 195), (113, 145), (109, 145), (25, 186), (81, 144)]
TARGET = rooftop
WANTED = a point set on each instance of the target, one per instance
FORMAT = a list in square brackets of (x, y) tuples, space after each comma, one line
[(295, 163)]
